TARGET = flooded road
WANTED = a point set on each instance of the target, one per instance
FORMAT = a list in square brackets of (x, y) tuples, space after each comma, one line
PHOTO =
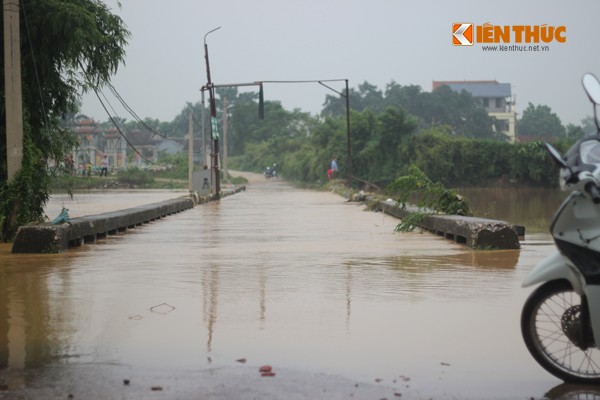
[(325, 292)]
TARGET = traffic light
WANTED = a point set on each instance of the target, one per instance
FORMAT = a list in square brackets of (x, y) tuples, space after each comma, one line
[(261, 103)]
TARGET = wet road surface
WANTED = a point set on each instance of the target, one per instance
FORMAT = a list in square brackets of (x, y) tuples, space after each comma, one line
[(326, 293)]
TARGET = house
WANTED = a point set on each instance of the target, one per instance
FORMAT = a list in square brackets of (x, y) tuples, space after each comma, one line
[(169, 146), (115, 147), (94, 142), (198, 150), (496, 98)]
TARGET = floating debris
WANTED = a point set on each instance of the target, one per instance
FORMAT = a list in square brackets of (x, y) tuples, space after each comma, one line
[(265, 368), (241, 360)]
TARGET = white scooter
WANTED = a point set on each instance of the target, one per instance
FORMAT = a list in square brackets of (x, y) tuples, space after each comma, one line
[(560, 321)]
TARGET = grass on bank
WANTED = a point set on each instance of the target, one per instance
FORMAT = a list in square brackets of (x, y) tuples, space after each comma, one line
[(131, 178)]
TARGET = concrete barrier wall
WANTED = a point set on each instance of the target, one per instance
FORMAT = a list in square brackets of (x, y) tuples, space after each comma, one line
[(48, 238), (474, 232)]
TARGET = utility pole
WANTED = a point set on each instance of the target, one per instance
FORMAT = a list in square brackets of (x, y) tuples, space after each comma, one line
[(214, 127), (348, 138), (225, 172), (13, 89), (190, 153), (203, 122)]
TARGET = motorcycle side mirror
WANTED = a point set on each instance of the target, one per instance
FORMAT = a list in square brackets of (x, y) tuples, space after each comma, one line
[(556, 155), (592, 87)]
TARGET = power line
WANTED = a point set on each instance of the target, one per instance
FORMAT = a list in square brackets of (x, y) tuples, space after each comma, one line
[(95, 88), (119, 130), (133, 114)]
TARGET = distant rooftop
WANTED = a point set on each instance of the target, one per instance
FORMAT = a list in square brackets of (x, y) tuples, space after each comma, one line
[(479, 89)]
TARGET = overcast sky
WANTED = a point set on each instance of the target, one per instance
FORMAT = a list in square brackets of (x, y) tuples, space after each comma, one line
[(378, 41)]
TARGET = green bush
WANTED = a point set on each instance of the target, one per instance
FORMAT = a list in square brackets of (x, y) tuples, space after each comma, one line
[(136, 177)]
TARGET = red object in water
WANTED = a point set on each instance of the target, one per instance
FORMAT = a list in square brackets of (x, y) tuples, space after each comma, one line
[(266, 368)]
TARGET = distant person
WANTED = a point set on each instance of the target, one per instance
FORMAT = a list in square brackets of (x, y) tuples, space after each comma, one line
[(329, 173), (89, 169), (70, 165), (205, 184), (104, 170), (334, 166)]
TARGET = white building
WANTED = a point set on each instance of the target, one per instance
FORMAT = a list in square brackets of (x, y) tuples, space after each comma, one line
[(495, 97)]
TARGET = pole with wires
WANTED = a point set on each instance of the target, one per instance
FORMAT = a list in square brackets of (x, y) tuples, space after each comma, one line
[(214, 127), (13, 91)]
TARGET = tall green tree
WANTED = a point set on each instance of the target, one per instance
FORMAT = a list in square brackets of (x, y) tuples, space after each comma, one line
[(461, 112), (67, 47), (179, 127), (539, 121)]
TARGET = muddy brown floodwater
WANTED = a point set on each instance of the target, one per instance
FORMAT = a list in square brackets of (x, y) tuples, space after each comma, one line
[(325, 292)]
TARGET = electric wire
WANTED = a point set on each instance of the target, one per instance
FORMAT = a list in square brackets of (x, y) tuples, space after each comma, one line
[(119, 129), (95, 89), (133, 113)]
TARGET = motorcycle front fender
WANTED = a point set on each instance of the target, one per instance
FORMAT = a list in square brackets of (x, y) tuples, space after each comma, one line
[(593, 294), (552, 268)]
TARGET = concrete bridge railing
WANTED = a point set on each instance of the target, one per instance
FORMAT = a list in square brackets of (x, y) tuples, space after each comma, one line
[(474, 232), (49, 238)]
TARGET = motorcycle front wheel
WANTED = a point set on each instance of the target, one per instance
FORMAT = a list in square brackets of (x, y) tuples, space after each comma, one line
[(550, 323)]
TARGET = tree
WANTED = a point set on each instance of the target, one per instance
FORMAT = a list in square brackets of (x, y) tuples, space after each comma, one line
[(68, 46), (179, 127), (574, 131), (540, 121), (367, 97), (588, 125), (461, 112)]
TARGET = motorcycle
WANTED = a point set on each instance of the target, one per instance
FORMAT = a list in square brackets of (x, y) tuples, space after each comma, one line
[(271, 172), (560, 320)]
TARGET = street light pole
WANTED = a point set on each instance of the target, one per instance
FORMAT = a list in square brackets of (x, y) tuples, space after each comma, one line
[(213, 119), (348, 138)]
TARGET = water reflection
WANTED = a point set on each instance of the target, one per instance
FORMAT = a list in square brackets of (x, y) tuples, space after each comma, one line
[(294, 278), (529, 207), (574, 392)]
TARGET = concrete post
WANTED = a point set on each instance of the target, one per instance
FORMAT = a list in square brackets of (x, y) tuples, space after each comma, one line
[(13, 90), (190, 153)]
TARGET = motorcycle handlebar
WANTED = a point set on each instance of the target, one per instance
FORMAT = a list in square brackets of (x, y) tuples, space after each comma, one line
[(593, 190)]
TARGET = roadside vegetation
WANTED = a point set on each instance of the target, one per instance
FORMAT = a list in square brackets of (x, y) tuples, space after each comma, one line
[(68, 46)]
